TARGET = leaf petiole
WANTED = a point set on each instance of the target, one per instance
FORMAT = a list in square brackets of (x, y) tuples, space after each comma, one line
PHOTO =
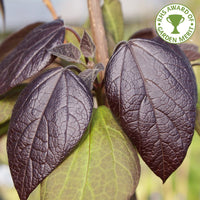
[(195, 64)]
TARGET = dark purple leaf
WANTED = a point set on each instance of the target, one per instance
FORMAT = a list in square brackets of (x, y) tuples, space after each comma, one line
[(175, 48), (48, 121), (67, 52), (89, 75), (182, 50), (87, 46), (146, 33), (152, 91), (191, 51), (31, 55), (14, 39)]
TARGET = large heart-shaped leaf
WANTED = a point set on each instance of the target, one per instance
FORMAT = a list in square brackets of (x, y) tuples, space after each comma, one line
[(31, 55), (105, 166), (48, 120), (153, 92)]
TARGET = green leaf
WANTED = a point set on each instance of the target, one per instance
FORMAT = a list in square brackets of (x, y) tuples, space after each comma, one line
[(3, 153), (105, 166), (7, 102), (111, 44), (71, 38), (197, 121), (197, 75), (35, 195), (193, 174), (4, 128), (113, 19)]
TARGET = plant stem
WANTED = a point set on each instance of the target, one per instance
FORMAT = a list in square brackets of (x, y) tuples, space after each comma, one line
[(195, 64), (51, 8), (98, 33), (74, 32)]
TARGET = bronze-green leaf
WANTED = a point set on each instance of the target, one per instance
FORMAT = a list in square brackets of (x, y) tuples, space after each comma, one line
[(113, 19), (104, 167)]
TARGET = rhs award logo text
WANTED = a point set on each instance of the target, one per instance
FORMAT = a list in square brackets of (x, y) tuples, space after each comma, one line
[(175, 23)]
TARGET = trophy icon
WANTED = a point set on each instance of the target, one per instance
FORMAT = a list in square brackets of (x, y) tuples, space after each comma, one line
[(175, 20)]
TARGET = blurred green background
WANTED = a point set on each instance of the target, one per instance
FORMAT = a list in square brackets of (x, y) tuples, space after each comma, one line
[(184, 184)]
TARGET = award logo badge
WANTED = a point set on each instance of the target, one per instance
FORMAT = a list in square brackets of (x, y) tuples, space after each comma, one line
[(175, 23)]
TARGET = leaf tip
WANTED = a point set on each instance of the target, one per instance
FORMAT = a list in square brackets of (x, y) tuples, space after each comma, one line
[(87, 45)]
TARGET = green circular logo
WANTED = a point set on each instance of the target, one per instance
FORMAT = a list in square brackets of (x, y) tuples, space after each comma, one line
[(175, 23)]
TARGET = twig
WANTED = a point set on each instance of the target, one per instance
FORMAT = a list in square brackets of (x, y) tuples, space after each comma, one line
[(51, 8), (195, 64), (74, 32), (98, 33)]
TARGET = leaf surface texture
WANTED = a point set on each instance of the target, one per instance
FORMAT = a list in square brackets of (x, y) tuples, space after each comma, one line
[(31, 55), (48, 121), (152, 90), (104, 166)]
